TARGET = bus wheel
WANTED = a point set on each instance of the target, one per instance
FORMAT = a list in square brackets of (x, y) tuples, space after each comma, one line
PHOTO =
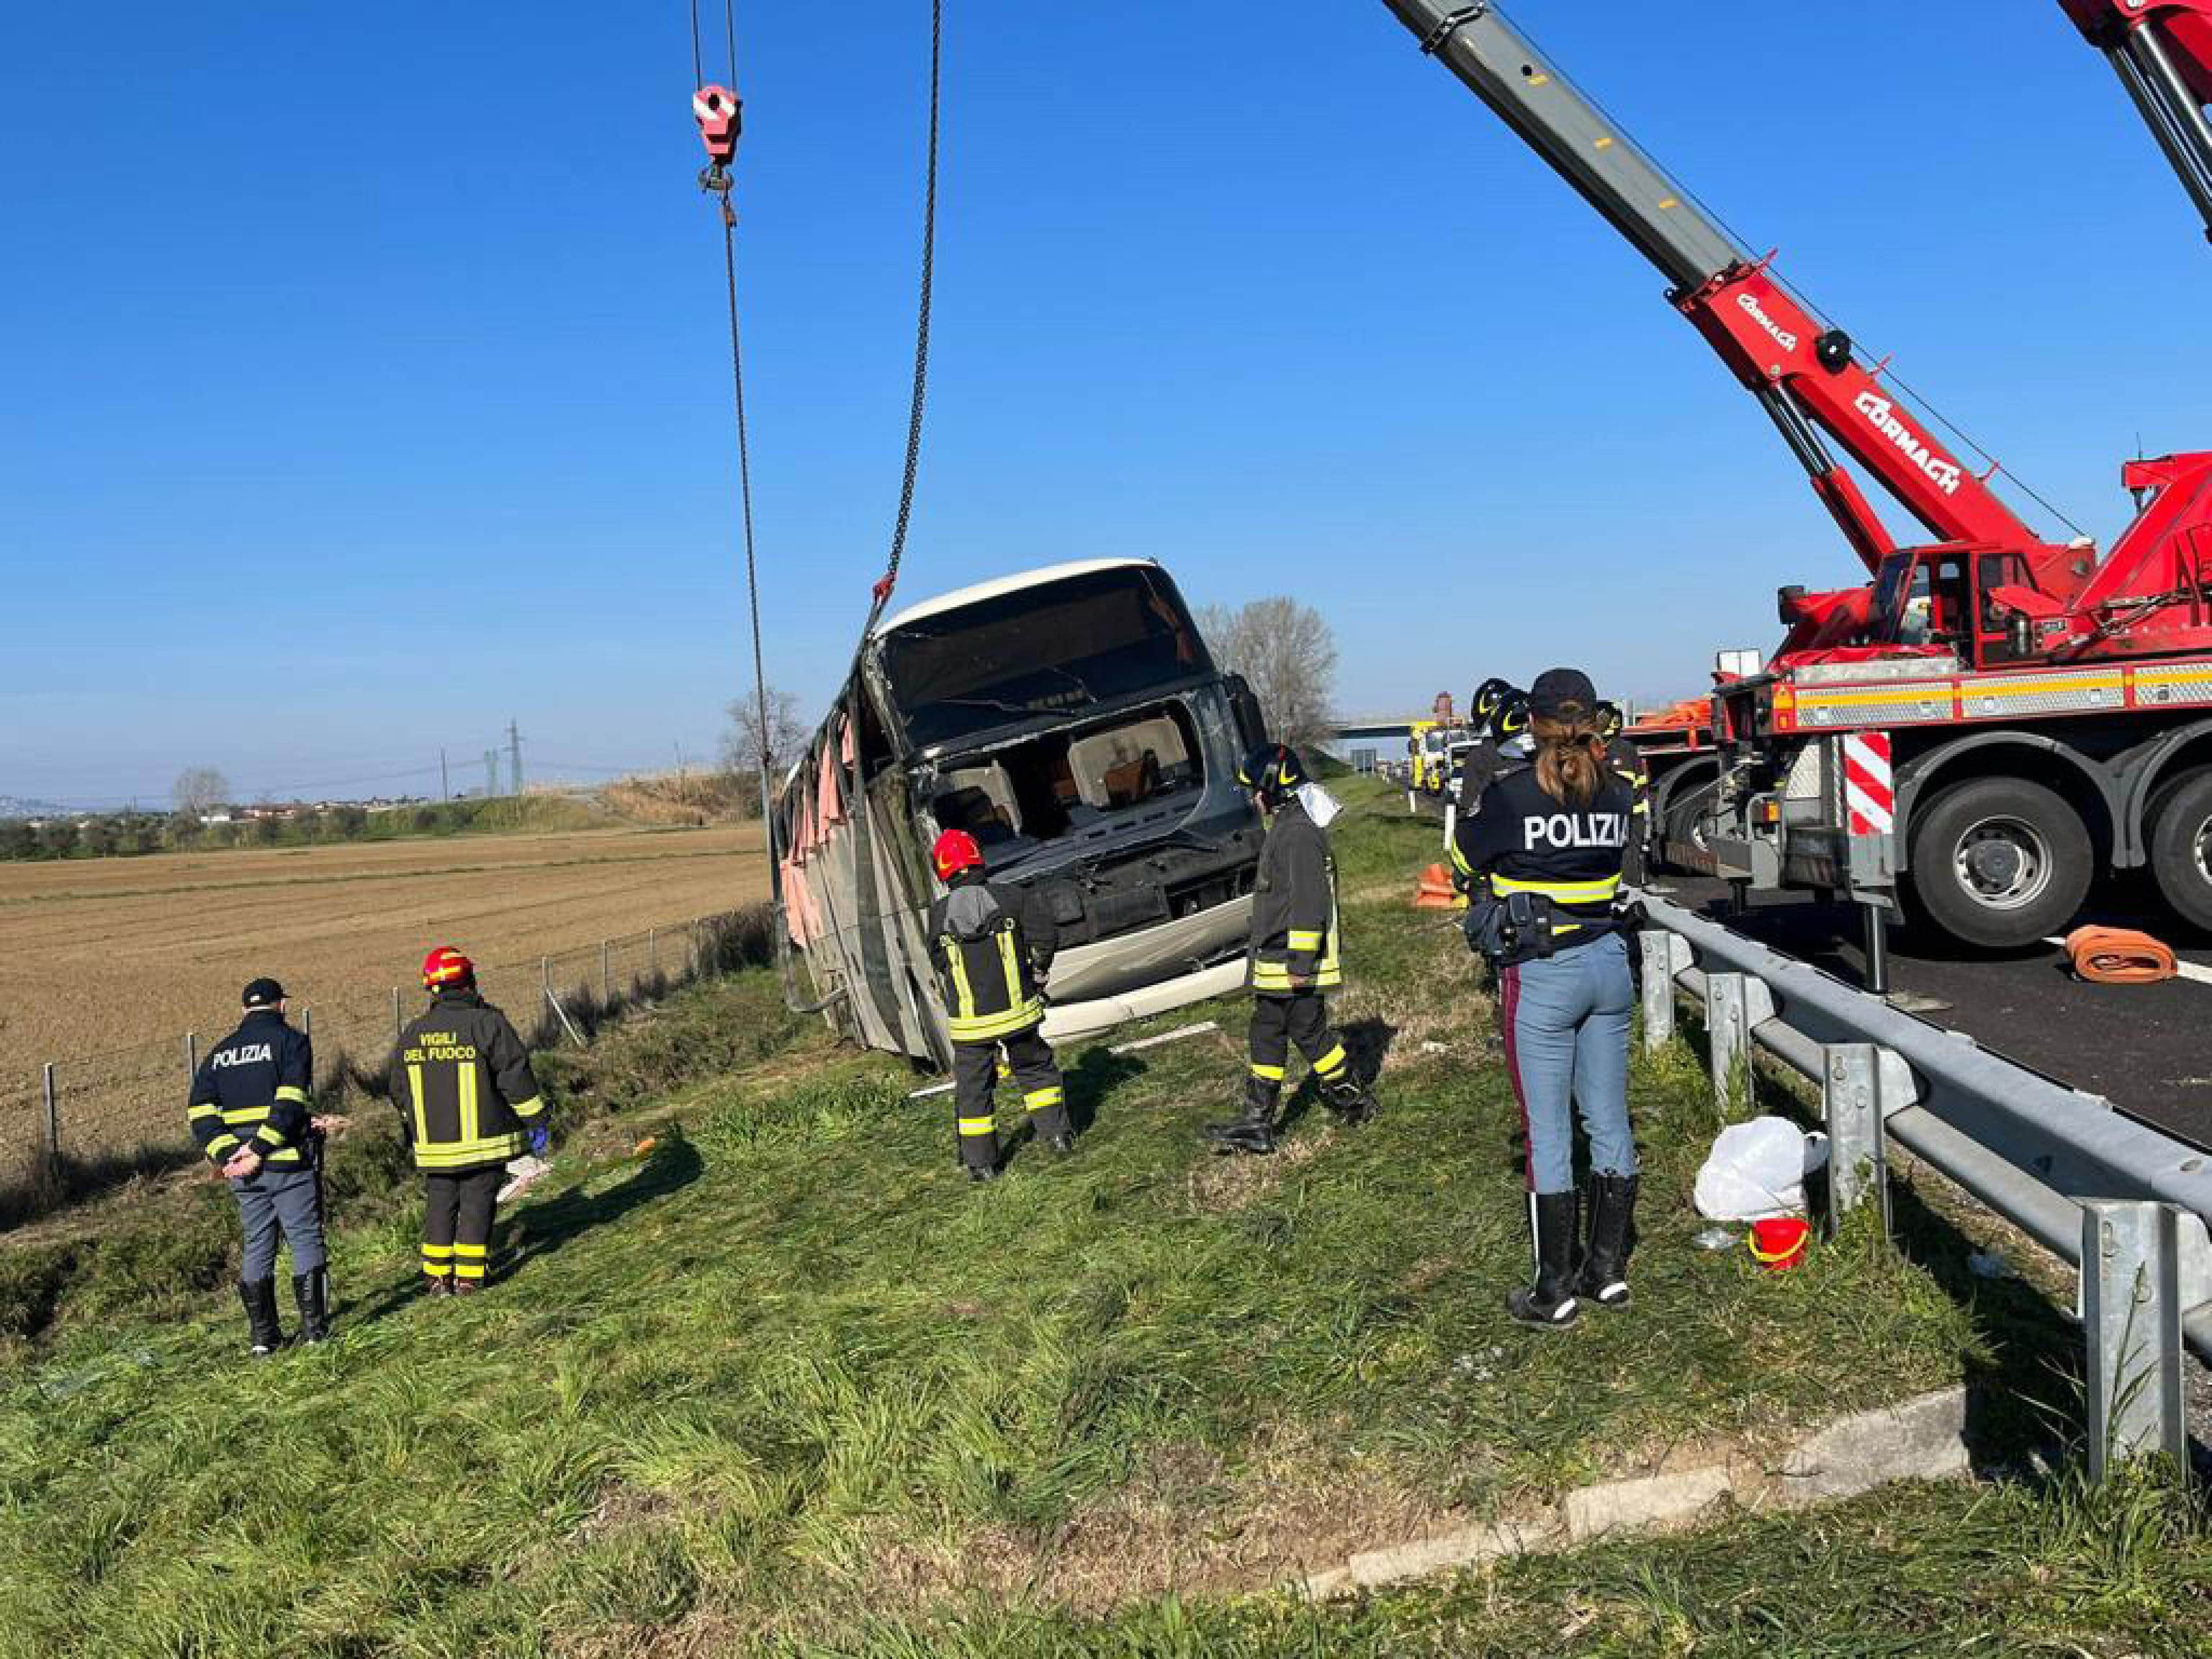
[(2000, 862), (2181, 848)]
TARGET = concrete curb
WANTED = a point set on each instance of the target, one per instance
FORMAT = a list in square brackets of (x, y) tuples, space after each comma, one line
[(1922, 1439)]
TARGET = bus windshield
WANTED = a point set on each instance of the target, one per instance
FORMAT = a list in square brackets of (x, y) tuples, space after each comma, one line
[(1059, 648)]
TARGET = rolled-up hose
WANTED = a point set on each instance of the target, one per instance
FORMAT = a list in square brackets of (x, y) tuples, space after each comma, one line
[(2119, 955)]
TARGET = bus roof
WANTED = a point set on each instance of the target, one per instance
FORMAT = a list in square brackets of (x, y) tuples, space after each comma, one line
[(992, 590)]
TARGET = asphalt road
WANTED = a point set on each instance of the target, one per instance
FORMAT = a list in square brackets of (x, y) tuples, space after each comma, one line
[(2146, 1047)]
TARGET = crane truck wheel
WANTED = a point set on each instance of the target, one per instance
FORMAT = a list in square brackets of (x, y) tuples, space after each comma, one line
[(1682, 824), (2181, 848), (2000, 862)]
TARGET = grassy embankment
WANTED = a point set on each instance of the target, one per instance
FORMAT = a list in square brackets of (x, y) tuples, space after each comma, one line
[(786, 1381)]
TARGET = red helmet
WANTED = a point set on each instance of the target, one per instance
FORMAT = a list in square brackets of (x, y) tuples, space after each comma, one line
[(955, 850), (446, 966)]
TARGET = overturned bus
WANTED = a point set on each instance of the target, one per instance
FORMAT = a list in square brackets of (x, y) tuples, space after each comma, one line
[(1071, 721)]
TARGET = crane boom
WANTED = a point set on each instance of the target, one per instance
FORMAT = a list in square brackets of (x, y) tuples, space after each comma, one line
[(2162, 51), (1803, 372)]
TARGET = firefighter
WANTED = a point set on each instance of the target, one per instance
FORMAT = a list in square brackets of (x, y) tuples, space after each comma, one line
[(468, 1101), (1506, 743), (1627, 760), (992, 944), (1293, 959), (1485, 702), (249, 1112), (1549, 845)]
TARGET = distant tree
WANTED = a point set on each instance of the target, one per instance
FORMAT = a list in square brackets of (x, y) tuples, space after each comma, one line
[(57, 839), (180, 830), (97, 839), (785, 732), (426, 820), (17, 839), (199, 790), (268, 830), (347, 822), (1288, 655)]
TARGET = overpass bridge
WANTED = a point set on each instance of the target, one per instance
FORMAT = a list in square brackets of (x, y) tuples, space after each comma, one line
[(1359, 728)]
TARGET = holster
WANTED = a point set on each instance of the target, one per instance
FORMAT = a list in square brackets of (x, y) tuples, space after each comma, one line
[(1514, 928)]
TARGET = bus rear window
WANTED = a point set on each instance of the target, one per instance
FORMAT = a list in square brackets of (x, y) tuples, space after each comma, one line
[(1061, 648)]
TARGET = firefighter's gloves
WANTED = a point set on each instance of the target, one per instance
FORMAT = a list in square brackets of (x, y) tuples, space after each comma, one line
[(541, 1142)]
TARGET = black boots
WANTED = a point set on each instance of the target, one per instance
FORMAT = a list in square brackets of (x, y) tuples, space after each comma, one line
[(1254, 1130), (259, 1297), (1604, 1276), (311, 1292), (1352, 1100), (1061, 1141), (1549, 1302)]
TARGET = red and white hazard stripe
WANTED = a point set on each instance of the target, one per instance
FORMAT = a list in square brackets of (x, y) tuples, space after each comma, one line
[(1869, 792)]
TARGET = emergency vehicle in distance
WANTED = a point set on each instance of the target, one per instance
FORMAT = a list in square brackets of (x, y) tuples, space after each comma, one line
[(1070, 719)]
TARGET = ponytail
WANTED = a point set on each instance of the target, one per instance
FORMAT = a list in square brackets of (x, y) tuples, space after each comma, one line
[(1570, 760)]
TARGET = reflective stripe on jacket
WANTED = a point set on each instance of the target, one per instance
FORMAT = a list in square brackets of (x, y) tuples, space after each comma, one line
[(251, 1091), (1523, 841), (1293, 945), (992, 943), (461, 1079)]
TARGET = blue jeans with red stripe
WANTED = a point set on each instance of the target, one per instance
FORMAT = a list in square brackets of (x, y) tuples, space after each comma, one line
[(1565, 1020)]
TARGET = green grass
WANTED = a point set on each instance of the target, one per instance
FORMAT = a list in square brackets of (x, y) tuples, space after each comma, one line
[(787, 1383)]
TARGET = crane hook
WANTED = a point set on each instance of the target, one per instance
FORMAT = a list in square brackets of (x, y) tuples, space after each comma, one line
[(721, 114)]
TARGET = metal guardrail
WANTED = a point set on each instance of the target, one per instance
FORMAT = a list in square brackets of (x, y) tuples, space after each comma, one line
[(2122, 1203)]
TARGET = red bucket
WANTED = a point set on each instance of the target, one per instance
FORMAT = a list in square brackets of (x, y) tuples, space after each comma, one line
[(1780, 1241)]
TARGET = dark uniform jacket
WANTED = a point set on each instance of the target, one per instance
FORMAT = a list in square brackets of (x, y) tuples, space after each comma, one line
[(461, 1079), (251, 1091), (1478, 770), (1628, 764), (992, 943), (1522, 841), (1294, 934)]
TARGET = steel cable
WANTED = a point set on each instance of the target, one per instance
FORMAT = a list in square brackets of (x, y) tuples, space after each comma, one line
[(884, 588)]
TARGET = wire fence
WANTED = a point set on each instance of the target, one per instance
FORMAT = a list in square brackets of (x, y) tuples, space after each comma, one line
[(84, 1115)]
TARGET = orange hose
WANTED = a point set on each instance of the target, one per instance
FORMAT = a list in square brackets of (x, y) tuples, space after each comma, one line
[(2119, 955)]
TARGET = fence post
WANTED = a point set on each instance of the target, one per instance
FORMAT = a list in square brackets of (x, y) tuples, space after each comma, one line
[(607, 972), (191, 1055), (398, 1025), (53, 1123), (652, 954), (1664, 955), (2132, 1312), (307, 1024), (1861, 1084), (1735, 1006), (545, 974)]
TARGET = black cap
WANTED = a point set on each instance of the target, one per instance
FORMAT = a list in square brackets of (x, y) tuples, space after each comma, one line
[(1563, 693), (262, 993)]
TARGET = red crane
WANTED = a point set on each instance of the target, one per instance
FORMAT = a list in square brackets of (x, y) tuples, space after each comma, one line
[(2162, 52), (1994, 591)]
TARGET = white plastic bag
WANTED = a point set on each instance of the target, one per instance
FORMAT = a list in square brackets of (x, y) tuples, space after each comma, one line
[(1758, 1168)]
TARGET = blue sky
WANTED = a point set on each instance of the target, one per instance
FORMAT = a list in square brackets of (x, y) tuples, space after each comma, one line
[(368, 379)]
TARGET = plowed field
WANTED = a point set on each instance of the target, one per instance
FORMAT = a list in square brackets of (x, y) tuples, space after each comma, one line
[(99, 955)]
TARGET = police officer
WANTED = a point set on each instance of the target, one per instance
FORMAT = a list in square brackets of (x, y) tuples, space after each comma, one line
[(992, 944), (1549, 843), (468, 1101), (249, 1112), (1293, 959), (1627, 760)]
